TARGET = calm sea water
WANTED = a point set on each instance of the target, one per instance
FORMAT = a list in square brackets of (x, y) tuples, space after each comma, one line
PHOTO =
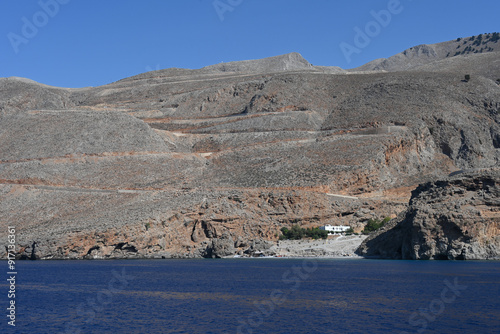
[(255, 296)]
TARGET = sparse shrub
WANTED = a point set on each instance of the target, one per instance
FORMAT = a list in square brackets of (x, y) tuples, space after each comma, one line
[(147, 226), (316, 233), (478, 40), (459, 39), (297, 233), (467, 77), (285, 233), (374, 224)]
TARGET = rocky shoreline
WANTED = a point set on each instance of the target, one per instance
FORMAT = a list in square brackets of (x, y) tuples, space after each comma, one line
[(337, 247), (333, 247), (457, 218)]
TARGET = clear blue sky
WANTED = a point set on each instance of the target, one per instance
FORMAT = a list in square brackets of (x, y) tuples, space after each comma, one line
[(95, 42)]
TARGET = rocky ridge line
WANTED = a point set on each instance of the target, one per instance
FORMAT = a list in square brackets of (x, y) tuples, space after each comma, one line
[(457, 218)]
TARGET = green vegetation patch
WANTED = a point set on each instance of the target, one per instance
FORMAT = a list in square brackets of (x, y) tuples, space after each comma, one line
[(374, 224), (297, 233)]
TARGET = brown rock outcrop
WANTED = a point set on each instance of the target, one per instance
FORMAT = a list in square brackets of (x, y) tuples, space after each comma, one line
[(196, 224), (457, 219)]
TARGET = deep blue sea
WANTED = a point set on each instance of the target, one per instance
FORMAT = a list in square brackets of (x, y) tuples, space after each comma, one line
[(255, 296)]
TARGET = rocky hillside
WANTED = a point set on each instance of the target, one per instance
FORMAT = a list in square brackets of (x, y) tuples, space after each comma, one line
[(289, 62), (457, 218), (421, 55), (186, 163)]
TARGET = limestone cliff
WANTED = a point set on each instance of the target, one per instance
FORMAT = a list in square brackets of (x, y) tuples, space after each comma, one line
[(457, 218)]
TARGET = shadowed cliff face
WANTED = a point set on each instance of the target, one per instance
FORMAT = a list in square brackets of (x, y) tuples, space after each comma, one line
[(457, 219), (208, 162)]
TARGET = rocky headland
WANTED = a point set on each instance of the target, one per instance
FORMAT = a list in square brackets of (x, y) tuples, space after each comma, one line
[(457, 218)]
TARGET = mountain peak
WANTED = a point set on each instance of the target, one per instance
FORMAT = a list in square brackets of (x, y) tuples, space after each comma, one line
[(287, 62), (425, 54)]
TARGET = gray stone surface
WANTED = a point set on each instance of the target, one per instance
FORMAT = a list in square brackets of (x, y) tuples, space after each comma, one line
[(463, 54), (457, 218), (52, 134)]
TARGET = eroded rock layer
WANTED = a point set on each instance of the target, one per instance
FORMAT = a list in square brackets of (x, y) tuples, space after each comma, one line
[(457, 218)]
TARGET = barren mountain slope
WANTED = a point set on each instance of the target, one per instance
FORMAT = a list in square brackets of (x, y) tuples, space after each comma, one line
[(425, 54), (483, 64), (208, 162), (456, 218), (19, 94)]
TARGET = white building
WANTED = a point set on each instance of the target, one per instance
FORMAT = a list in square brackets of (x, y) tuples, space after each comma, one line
[(335, 229)]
